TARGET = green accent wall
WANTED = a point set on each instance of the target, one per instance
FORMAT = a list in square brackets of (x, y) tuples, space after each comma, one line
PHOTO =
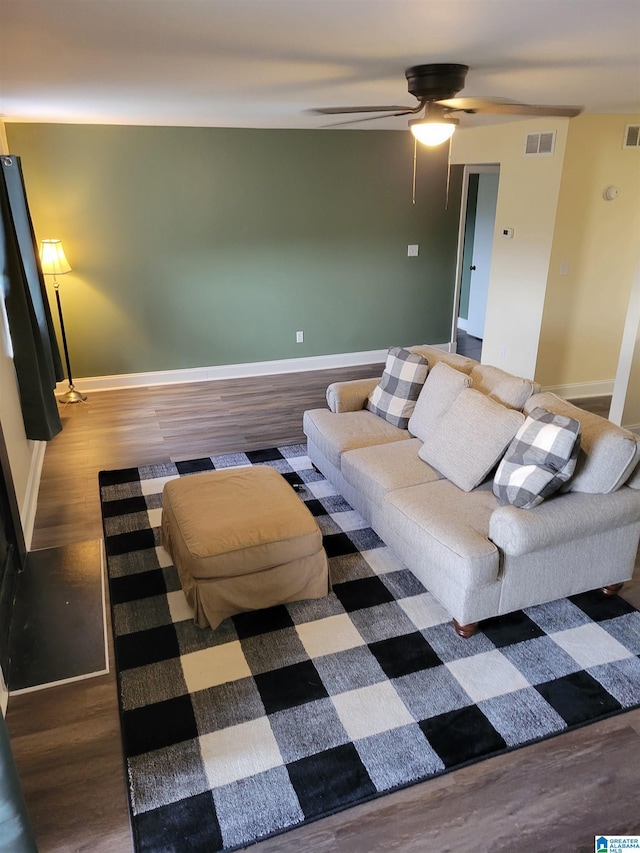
[(196, 247)]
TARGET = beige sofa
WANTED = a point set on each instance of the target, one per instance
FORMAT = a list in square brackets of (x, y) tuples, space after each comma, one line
[(479, 558)]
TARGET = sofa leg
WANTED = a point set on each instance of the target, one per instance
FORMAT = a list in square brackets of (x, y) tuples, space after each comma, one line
[(465, 631), (612, 589)]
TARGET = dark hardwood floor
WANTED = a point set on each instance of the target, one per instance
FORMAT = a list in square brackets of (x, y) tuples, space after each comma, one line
[(468, 345), (66, 740)]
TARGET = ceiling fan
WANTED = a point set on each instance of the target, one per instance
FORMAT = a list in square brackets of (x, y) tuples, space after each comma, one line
[(435, 86)]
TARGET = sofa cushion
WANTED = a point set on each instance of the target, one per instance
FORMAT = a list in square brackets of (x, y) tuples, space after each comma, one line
[(608, 454), (541, 457), (512, 391), (442, 386), (470, 438), (456, 522), (394, 397), (435, 355), (334, 433), (374, 471)]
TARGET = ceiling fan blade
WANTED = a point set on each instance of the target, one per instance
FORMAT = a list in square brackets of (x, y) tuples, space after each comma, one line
[(496, 106), (331, 111), (367, 118)]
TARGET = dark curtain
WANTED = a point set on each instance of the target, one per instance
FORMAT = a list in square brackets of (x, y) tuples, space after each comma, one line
[(35, 350)]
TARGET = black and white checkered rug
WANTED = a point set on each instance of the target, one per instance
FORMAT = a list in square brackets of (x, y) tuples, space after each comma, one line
[(285, 715)]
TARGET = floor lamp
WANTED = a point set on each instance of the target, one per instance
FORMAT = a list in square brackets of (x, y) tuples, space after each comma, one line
[(54, 262)]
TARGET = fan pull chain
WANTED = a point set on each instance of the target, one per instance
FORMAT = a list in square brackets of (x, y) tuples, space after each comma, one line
[(415, 169)]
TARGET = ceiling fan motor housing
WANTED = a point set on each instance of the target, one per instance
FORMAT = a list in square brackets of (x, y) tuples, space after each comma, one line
[(436, 81)]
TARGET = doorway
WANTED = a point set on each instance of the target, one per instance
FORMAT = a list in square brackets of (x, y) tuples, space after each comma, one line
[(477, 227)]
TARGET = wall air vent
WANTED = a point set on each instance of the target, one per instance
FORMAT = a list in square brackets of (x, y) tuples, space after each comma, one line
[(631, 136), (540, 144)]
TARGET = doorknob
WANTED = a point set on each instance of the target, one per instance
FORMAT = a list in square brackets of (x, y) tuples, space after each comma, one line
[(472, 267)]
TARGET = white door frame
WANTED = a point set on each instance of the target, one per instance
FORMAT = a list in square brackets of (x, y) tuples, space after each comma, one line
[(469, 169), (630, 337)]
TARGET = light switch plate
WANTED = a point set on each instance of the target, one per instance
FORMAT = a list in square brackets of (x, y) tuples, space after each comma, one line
[(412, 250)]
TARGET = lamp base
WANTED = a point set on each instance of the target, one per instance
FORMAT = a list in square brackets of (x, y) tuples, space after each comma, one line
[(72, 396)]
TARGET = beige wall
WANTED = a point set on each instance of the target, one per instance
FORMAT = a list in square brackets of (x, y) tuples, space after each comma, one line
[(527, 201), (585, 310)]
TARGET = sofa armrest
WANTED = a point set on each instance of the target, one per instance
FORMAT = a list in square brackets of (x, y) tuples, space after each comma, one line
[(566, 517), (350, 396)]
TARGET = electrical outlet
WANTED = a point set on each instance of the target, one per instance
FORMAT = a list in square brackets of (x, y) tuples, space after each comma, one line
[(412, 250), (299, 337)]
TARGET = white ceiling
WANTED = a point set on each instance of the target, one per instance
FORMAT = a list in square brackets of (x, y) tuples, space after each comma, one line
[(262, 63)]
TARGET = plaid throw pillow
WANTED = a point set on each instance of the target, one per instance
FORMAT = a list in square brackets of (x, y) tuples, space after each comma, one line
[(394, 397), (540, 459)]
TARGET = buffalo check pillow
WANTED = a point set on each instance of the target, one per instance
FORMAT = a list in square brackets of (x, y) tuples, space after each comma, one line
[(540, 459), (394, 397)]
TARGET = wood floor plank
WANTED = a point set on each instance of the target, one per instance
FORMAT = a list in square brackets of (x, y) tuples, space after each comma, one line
[(66, 740)]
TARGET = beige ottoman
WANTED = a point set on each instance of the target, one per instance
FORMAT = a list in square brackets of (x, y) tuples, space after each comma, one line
[(241, 539)]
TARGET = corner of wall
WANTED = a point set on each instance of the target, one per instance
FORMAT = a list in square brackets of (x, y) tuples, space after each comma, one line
[(4, 143), (594, 241), (625, 403)]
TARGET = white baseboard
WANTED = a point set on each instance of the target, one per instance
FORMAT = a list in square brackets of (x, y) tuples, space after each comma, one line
[(30, 505), (599, 388), (224, 371), (286, 365), (229, 371)]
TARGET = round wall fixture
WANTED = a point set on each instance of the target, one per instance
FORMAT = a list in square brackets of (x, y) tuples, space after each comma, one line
[(609, 193)]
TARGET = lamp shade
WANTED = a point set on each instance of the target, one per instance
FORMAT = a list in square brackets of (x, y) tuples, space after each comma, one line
[(53, 259), (433, 131)]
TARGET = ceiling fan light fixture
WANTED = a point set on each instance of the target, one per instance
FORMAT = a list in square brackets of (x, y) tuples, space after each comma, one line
[(433, 131)]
